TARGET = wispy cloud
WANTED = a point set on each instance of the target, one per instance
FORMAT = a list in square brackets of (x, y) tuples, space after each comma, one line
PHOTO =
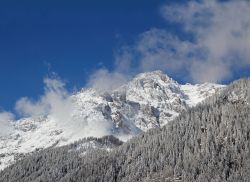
[(103, 80), (216, 47), (221, 31), (5, 125), (55, 101), (59, 105)]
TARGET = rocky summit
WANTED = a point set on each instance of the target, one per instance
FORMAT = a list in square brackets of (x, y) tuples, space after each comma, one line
[(149, 100)]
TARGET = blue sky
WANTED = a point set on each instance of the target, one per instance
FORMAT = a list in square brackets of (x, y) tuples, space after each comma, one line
[(75, 39)]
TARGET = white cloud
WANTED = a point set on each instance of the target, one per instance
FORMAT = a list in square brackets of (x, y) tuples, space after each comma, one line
[(216, 47), (159, 50), (207, 71), (103, 80), (154, 50), (60, 106), (5, 123), (55, 101), (221, 29)]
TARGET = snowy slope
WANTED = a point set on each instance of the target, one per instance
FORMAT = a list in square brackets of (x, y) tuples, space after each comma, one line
[(149, 100), (196, 93)]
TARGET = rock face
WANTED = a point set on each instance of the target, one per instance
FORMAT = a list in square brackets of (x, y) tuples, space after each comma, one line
[(150, 100)]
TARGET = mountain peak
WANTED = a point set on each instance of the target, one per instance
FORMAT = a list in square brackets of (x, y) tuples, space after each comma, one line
[(156, 75), (150, 100)]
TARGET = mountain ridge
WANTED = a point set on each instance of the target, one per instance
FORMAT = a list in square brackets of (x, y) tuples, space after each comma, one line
[(150, 100), (209, 142)]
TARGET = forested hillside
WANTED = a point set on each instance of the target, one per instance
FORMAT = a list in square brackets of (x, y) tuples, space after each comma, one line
[(210, 142)]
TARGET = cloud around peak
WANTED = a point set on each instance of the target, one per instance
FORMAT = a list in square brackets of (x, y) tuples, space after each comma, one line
[(55, 98), (5, 123)]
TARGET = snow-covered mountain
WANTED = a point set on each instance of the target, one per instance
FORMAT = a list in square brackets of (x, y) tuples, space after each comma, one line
[(149, 100)]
